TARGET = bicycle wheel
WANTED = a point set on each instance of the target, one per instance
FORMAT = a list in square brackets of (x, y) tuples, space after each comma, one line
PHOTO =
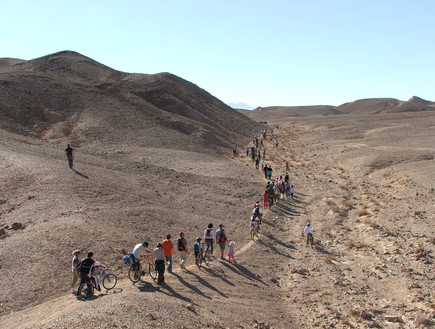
[(109, 281), (252, 233), (86, 289), (134, 273), (199, 259), (207, 257), (152, 271)]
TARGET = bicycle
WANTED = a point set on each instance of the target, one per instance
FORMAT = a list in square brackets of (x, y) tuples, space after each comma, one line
[(107, 280), (206, 254), (254, 230), (136, 271)]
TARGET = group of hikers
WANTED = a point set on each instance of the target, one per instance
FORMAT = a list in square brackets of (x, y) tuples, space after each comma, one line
[(87, 269), (162, 255)]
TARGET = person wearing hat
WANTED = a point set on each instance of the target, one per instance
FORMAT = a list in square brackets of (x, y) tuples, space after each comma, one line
[(182, 250), (168, 248), (309, 232), (137, 250), (221, 239), (197, 249)]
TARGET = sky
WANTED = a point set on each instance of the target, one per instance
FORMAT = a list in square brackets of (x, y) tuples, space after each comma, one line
[(261, 53)]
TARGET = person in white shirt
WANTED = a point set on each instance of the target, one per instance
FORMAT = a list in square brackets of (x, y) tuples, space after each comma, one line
[(292, 191), (209, 236), (253, 222), (308, 232), (137, 250)]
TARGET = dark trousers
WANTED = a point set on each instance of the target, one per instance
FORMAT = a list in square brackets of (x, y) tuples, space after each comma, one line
[(160, 267), (70, 161)]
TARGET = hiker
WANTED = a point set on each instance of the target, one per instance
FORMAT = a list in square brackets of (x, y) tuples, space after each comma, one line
[(265, 199), (231, 251), (138, 249), (168, 248), (257, 163), (287, 177), (70, 155), (292, 191), (182, 250), (197, 249), (85, 268), (258, 211), (209, 237), (221, 239), (308, 231), (160, 263), (269, 172), (286, 166), (75, 272), (95, 273)]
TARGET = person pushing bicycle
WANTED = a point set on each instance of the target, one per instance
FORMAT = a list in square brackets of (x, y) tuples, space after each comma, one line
[(138, 249)]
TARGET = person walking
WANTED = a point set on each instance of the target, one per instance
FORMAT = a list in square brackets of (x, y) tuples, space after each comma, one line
[(75, 271), (168, 248), (70, 155), (182, 250), (209, 237), (160, 263), (231, 251), (85, 268), (221, 239), (309, 232), (292, 191), (197, 249)]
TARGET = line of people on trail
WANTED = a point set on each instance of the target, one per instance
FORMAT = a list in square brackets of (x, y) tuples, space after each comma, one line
[(163, 253), (280, 188)]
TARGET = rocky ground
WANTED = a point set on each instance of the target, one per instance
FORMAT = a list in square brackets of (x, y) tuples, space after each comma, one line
[(366, 185)]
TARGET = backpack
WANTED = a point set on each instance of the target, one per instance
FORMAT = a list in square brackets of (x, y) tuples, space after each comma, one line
[(257, 211), (85, 265), (223, 237), (128, 259), (208, 233), (180, 245)]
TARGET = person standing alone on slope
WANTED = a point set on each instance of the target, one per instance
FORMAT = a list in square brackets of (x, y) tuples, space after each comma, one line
[(70, 155)]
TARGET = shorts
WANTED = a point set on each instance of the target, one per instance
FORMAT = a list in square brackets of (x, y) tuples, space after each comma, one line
[(222, 245)]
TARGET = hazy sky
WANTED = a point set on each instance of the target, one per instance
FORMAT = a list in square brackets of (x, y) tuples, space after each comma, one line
[(262, 53)]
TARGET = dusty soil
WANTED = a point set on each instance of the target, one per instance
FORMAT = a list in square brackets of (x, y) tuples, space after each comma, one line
[(365, 183)]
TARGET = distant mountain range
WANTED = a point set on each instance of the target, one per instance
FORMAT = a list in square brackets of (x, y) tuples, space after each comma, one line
[(361, 106), (241, 106)]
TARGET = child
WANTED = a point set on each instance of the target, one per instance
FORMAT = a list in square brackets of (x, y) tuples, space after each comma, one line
[(231, 251), (197, 249), (96, 270)]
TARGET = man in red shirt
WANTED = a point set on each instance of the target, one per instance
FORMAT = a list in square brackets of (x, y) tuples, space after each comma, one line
[(168, 248)]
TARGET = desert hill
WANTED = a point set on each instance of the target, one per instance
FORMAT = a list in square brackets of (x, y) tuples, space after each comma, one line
[(359, 107), (57, 96), (151, 158)]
